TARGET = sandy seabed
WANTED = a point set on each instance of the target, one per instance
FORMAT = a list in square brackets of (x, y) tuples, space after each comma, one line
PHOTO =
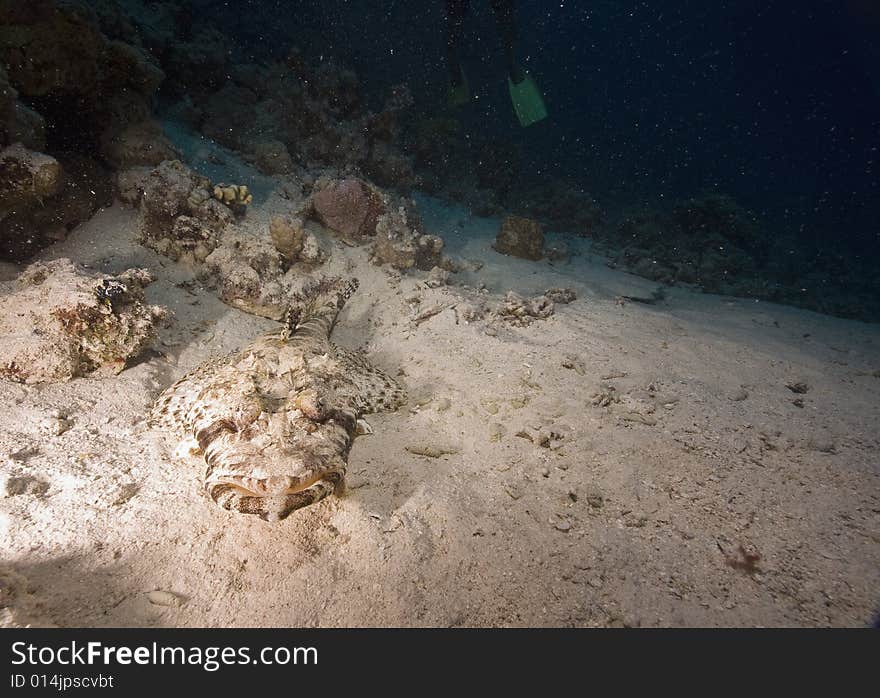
[(619, 463)]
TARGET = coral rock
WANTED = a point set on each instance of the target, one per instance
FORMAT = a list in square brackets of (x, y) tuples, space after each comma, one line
[(519, 311), (350, 207), (399, 243), (142, 143), (247, 273), (294, 243), (272, 157), (131, 183), (62, 322), (180, 216), (287, 235), (42, 198), (520, 237), (26, 176)]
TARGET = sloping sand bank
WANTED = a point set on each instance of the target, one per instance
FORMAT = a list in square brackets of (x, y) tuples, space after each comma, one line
[(616, 463)]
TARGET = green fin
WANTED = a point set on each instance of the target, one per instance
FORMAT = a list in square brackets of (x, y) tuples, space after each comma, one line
[(459, 94), (527, 101)]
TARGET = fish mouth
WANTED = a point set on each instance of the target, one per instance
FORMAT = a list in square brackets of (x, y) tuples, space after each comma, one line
[(333, 477)]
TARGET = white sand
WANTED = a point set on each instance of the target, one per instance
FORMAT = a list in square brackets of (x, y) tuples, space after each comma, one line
[(631, 517)]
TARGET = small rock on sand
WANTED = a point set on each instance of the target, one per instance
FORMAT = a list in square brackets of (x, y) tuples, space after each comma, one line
[(160, 597)]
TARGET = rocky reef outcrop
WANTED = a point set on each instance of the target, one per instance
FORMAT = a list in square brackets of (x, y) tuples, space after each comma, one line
[(250, 112), (182, 219), (42, 197), (709, 241), (58, 321), (76, 94), (249, 273), (294, 243)]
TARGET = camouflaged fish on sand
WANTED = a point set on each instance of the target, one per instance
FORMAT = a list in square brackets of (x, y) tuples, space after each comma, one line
[(275, 421)]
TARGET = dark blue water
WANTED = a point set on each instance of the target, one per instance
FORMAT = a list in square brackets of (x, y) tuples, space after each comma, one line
[(731, 146), (776, 103)]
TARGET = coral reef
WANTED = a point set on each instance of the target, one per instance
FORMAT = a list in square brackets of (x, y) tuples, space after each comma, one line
[(140, 144), (81, 93), (26, 177), (18, 122), (59, 322), (709, 241), (249, 274), (520, 237), (272, 157), (181, 216), (130, 185), (82, 82), (42, 198), (560, 205), (250, 112)]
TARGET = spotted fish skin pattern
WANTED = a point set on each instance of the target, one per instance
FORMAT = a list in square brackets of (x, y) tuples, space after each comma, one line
[(275, 421)]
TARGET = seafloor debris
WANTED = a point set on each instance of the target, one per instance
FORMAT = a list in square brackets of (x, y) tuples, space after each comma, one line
[(59, 322), (519, 311), (520, 237)]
